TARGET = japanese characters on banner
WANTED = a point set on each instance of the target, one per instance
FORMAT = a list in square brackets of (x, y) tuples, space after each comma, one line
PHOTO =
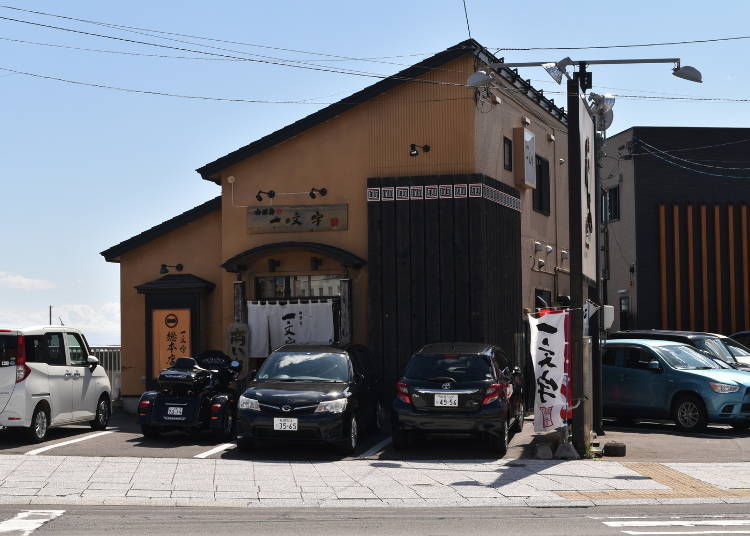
[(273, 325), (588, 201), (170, 329), (550, 350)]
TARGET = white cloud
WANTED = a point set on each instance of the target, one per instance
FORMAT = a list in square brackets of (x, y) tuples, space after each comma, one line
[(8, 280), (100, 323)]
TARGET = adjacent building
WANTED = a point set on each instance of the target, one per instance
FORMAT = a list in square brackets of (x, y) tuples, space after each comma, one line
[(413, 211), (675, 209)]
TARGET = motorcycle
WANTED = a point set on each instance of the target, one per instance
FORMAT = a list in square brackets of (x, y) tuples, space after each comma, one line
[(194, 394)]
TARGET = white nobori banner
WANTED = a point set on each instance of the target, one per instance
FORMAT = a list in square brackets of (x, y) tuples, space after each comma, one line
[(547, 345)]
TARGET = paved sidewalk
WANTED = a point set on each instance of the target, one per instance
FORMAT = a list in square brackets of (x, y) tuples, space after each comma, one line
[(220, 482)]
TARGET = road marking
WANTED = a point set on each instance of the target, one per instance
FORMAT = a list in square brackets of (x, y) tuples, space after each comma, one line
[(685, 523), (70, 442), (28, 521), (220, 448), (377, 448), (642, 533)]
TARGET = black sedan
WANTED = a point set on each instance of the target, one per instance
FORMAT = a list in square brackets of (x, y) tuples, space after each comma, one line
[(310, 393), (459, 389)]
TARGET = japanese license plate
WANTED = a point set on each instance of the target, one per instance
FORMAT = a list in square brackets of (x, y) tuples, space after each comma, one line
[(174, 410), (446, 400), (285, 424)]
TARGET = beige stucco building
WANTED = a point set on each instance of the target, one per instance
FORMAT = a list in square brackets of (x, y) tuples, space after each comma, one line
[(475, 138)]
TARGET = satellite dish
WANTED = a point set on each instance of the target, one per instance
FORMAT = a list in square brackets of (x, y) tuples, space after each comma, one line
[(604, 121), (479, 79)]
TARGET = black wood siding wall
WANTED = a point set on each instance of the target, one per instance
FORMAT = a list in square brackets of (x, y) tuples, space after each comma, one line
[(441, 269)]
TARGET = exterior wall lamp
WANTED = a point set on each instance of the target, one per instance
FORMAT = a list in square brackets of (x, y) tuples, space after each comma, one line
[(322, 192), (413, 149), (270, 194), (165, 268)]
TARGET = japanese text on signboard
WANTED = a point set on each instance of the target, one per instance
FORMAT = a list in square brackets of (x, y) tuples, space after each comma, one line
[(548, 345), (290, 219)]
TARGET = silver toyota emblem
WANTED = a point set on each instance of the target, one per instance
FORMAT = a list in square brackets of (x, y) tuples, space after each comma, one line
[(446, 386), (286, 408)]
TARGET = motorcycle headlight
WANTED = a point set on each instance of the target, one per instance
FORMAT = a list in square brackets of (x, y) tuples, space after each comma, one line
[(724, 388), (332, 406), (249, 403)]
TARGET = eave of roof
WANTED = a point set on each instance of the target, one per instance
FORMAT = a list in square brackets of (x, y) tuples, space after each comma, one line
[(176, 283), (210, 170), (112, 254)]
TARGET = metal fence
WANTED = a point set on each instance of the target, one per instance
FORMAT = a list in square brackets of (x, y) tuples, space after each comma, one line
[(110, 357)]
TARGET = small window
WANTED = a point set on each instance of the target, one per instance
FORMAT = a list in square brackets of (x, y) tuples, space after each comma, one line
[(507, 154), (541, 195), (55, 349), (76, 349), (613, 203)]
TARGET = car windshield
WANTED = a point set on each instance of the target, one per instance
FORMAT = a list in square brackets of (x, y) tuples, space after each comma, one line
[(449, 367), (715, 347), (735, 348), (305, 366), (683, 357)]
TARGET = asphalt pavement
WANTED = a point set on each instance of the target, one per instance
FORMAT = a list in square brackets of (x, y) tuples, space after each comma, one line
[(62, 520)]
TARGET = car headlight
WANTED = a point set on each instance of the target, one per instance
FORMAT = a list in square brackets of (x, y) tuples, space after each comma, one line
[(724, 388), (249, 403), (332, 406)]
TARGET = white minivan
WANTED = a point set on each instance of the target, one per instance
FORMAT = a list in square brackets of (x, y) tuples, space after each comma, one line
[(48, 378)]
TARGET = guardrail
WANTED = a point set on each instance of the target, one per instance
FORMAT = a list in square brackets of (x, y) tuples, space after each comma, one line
[(110, 357)]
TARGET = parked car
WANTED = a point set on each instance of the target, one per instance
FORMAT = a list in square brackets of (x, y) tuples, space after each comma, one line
[(459, 388), (195, 394), (667, 379), (49, 378), (311, 393), (719, 346)]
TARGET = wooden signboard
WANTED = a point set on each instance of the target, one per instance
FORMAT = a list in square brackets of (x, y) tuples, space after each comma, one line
[(297, 218), (171, 337)]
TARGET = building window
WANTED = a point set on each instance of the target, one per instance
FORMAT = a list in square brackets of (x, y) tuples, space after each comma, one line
[(541, 193), (624, 312), (507, 154), (542, 298), (613, 203)]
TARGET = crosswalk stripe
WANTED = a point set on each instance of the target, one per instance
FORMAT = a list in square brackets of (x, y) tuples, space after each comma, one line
[(28, 521)]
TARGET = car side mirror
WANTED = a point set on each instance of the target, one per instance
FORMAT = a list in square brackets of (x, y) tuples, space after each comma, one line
[(654, 366), (93, 361)]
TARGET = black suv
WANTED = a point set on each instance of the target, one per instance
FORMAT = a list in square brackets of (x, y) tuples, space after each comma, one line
[(459, 388), (716, 346)]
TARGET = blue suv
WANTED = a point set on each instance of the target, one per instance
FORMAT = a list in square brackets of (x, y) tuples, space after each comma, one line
[(667, 379)]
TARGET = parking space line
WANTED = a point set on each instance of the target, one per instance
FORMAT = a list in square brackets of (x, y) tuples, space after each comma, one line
[(28, 521), (220, 448), (64, 443), (377, 448)]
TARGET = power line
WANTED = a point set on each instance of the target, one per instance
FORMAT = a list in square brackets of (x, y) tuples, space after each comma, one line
[(665, 43), (649, 146), (122, 52), (200, 97), (332, 57), (699, 148), (701, 172), (466, 14)]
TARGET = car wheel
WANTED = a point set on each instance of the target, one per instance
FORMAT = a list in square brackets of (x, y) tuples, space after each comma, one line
[(103, 412), (518, 425), (499, 442), (741, 426), (351, 437), (37, 432), (150, 432), (227, 430), (689, 413), (379, 417), (245, 445)]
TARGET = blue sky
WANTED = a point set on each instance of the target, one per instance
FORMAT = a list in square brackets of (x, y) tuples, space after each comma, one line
[(84, 168)]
